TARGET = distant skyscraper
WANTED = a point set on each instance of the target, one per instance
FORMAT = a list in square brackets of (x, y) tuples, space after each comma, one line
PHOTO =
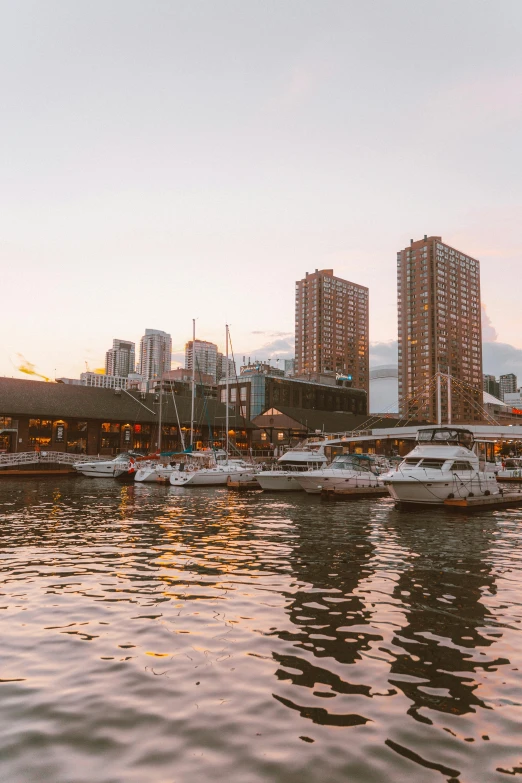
[(155, 354), (331, 327), (221, 367), (206, 357), (491, 385), (439, 329), (508, 384), (120, 359)]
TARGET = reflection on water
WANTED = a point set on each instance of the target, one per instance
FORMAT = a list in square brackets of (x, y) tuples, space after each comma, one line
[(159, 634)]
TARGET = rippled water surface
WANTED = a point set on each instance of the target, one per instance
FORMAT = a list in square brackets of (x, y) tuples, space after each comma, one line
[(164, 635)]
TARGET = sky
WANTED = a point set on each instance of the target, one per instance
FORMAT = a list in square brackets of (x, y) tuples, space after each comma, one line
[(162, 161)]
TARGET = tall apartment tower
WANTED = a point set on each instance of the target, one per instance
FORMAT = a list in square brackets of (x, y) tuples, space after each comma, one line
[(206, 357), (507, 384), (120, 359), (491, 385), (331, 327), (438, 295), (155, 354)]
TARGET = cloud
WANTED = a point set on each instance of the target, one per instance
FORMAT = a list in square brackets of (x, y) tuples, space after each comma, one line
[(489, 333), (383, 353), (501, 359), (283, 347)]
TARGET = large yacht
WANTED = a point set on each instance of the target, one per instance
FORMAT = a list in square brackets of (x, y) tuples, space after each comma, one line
[(305, 457), (213, 470), (510, 469), (103, 468), (347, 470), (442, 465)]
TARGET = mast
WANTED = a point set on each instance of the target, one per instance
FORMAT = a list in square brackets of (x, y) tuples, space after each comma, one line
[(439, 400), (449, 397), (193, 381), (226, 390), (162, 350)]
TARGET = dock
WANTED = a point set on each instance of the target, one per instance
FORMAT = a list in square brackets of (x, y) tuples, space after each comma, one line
[(504, 500), (354, 493), (238, 485)]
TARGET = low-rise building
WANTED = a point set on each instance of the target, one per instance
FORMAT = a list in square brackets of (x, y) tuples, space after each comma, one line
[(81, 419)]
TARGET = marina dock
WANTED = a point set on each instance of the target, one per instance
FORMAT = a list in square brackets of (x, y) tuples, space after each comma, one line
[(504, 500)]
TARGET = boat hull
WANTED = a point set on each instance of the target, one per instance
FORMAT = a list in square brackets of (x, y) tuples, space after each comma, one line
[(317, 481), (278, 482), (98, 469), (408, 489)]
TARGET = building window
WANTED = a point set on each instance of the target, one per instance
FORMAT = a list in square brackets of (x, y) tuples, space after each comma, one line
[(280, 436), (243, 393), (233, 394), (264, 436), (223, 395)]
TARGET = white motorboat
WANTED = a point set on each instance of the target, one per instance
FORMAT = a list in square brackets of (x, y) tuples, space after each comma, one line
[(510, 469), (103, 468), (211, 475), (347, 470), (305, 457), (442, 465)]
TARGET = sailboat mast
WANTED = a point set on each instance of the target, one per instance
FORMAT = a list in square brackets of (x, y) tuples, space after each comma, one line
[(162, 350), (449, 397), (193, 381), (226, 390)]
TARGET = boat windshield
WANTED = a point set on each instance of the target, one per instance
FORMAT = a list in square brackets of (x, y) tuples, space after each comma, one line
[(513, 463), (350, 462), (445, 436)]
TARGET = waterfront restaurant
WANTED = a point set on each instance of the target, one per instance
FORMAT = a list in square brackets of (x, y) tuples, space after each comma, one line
[(35, 415)]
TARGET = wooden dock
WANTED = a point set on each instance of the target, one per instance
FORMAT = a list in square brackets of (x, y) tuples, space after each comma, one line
[(238, 485), (484, 502), (354, 493)]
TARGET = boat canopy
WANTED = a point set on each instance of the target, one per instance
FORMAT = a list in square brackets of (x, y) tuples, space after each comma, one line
[(445, 436)]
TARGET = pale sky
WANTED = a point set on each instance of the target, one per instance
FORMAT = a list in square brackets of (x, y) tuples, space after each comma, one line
[(163, 161)]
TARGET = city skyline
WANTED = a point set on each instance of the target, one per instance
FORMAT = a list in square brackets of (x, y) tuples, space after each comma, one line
[(147, 177)]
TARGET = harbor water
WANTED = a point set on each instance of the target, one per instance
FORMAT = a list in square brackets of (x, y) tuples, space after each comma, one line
[(154, 634)]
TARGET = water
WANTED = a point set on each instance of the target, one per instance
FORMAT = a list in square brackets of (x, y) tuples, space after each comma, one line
[(169, 635)]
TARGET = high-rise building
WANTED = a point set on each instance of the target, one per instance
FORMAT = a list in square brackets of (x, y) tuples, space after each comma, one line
[(206, 357), (331, 327), (508, 384), (491, 385), (221, 367), (438, 298), (120, 359), (155, 354)]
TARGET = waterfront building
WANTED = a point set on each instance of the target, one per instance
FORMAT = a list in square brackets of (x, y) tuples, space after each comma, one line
[(155, 354), (206, 357), (508, 384), (80, 419), (121, 358), (491, 385), (384, 389), (258, 388), (101, 381), (180, 382), (439, 329), (289, 367), (331, 327)]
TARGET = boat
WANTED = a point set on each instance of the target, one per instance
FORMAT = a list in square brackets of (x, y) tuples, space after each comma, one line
[(103, 468), (305, 457), (212, 473), (346, 471), (443, 465), (153, 471), (510, 469)]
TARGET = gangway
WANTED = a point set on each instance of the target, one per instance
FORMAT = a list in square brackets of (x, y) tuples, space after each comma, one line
[(47, 457)]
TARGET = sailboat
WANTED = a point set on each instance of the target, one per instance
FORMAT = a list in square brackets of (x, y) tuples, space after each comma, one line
[(218, 468)]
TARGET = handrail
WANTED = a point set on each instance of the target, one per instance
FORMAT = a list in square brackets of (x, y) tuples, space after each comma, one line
[(59, 457)]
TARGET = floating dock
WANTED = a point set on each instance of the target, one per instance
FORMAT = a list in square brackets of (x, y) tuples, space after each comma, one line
[(252, 484), (483, 502), (354, 493)]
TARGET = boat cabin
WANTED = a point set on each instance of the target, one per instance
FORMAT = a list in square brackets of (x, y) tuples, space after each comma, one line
[(445, 436)]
